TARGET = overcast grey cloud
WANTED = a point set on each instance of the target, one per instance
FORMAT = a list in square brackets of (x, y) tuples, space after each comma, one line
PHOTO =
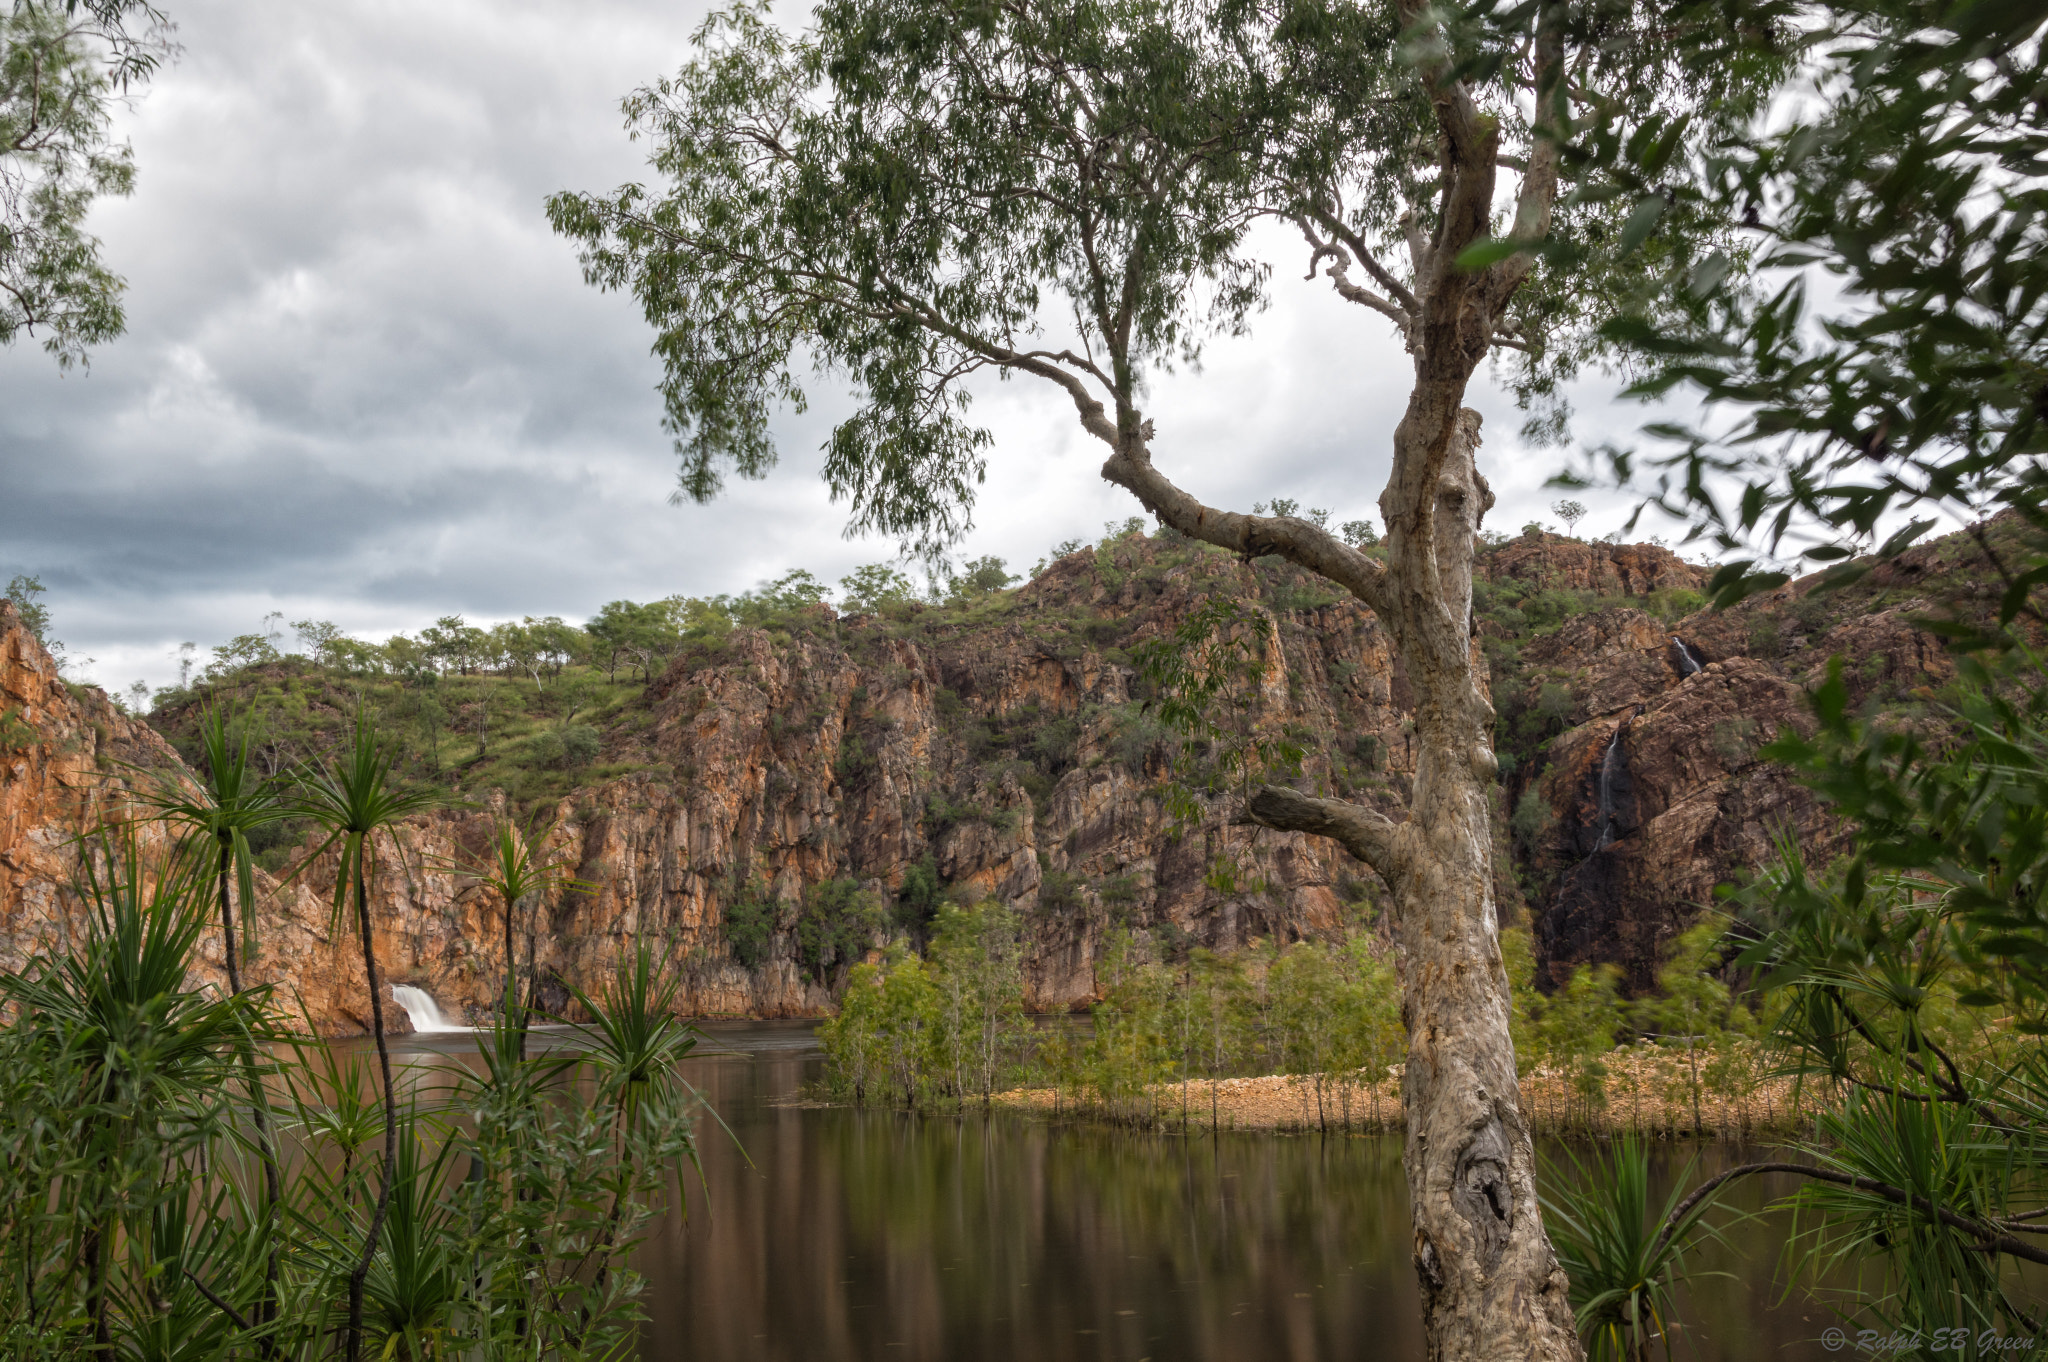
[(363, 381)]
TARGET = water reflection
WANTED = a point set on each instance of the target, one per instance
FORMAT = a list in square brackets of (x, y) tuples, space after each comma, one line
[(841, 1235), (859, 1235)]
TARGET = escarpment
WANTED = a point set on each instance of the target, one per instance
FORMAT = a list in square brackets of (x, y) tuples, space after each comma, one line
[(791, 797)]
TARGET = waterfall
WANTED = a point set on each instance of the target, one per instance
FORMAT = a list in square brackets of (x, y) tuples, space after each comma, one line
[(421, 1007), (1688, 661), (1610, 762)]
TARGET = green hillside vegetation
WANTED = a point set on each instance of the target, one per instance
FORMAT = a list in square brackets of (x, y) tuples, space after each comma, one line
[(542, 707)]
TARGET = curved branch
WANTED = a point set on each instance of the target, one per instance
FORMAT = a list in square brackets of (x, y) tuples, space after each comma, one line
[(1365, 297), (234, 1315), (1990, 1238), (1354, 243), (1299, 541), (1367, 834)]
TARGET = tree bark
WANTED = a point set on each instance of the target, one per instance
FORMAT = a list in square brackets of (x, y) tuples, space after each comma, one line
[(1491, 1284)]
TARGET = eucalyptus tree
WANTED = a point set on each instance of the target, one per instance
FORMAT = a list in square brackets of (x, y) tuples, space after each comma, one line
[(911, 194), (62, 68), (353, 798)]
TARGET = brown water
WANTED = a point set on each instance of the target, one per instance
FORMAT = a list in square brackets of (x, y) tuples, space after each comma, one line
[(854, 1235)]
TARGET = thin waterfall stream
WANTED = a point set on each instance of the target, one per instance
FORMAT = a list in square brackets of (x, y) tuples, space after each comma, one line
[(1688, 660), (1610, 764)]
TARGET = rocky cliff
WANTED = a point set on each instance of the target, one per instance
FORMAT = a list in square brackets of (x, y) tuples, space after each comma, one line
[(1005, 751)]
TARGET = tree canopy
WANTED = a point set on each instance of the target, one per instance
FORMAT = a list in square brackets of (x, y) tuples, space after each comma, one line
[(62, 67)]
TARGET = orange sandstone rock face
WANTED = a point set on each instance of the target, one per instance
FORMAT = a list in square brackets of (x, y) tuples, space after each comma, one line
[(67, 762), (1012, 748), (1551, 561)]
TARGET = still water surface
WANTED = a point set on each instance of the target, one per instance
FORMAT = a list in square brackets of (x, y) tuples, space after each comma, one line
[(851, 1236)]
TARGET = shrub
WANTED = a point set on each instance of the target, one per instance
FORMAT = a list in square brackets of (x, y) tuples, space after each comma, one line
[(836, 926), (750, 922), (1533, 819), (580, 745)]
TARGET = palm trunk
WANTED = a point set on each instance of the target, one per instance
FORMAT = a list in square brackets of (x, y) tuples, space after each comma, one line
[(515, 1015), (259, 1106), (227, 917), (362, 1268)]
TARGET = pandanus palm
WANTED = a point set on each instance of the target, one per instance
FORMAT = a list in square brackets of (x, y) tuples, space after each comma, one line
[(136, 1060), (217, 812), (516, 872), (353, 798)]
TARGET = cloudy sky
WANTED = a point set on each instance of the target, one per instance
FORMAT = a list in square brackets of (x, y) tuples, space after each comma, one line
[(363, 382)]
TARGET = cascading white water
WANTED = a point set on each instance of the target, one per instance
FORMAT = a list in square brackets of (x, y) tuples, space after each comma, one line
[(1610, 761), (1688, 661), (421, 1007)]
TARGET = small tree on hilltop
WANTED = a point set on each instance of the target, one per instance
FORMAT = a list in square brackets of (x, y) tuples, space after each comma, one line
[(1570, 512)]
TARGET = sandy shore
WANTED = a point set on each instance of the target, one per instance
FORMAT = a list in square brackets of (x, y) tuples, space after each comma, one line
[(1646, 1089)]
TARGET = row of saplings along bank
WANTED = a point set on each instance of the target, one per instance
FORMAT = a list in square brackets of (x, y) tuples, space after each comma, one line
[(1304, 1036), (189, 1172), (1856, 1041)]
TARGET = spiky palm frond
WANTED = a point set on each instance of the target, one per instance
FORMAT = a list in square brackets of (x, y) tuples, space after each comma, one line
[(217, 812), (635, 1041), (1623, 1262), (352, 797)]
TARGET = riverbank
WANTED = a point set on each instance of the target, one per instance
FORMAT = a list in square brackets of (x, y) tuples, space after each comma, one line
[(1644, 1089)]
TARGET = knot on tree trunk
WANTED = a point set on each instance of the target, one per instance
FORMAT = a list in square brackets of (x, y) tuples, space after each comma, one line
[(1480, 1191), (1426, 1265)]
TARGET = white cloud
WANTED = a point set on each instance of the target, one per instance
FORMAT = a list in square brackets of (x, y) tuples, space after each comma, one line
[(364, 382)]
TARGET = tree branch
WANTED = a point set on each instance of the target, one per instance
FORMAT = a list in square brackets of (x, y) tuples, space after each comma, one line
[(1299, 541), (1539, 173), (1990, 1239), (1370, 836), (218, 1304), (1395, 289)]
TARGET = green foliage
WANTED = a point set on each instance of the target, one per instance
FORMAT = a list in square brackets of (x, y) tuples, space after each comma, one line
[(869, 588), (61, 74), (1212, 664), (751, 919), (1624, 1256), (646, 636), (977, 972), (1913, 379), (970, 225), (836, 927), (1965, 810), (1337, 1015), (1532, 820), (976, 579), (918, 898), (218, 817), (1674, 602), (1735, 740), (1576, 1029), (17, 734), (633, 1041), (131, 1222), (26, 592), (878, 1049)]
